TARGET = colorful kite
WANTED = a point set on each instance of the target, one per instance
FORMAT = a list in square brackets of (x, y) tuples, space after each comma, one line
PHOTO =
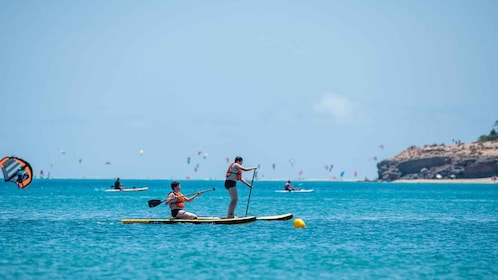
[(17, 171)]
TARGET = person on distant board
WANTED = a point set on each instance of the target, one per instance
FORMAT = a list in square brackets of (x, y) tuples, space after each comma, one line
[(117, 185), (234, 174), (289, 187), (176, 201)]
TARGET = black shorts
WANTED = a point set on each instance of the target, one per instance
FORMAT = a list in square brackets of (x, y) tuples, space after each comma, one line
[(175, 212), (230, 184)]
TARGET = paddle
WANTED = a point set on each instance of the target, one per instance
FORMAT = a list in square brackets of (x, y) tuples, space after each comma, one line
[(250, 191), (156, 202)]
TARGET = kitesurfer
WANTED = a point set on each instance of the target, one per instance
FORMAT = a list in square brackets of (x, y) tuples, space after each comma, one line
[(17, 171), (20, 174), (176, 201), (234, 174)]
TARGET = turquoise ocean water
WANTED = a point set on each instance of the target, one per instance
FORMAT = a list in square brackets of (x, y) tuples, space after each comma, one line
[(71, 229)]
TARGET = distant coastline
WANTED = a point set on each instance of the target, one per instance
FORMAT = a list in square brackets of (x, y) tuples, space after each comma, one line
[(442, 163)]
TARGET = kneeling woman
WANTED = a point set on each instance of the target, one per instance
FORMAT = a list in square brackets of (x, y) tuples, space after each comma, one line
[(176, 202)]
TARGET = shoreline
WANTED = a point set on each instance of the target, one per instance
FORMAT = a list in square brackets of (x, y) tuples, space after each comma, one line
[(488, 180)]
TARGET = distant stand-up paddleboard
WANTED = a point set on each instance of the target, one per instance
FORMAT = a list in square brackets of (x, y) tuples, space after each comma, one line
[(134, 189), (295, 191)]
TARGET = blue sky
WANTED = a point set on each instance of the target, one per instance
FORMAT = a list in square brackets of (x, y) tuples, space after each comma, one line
[(298, 84)]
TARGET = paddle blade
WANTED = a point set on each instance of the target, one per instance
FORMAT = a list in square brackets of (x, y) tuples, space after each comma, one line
[(154, 202)]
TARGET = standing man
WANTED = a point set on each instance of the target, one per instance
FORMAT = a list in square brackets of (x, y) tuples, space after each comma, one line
[(234, 174)]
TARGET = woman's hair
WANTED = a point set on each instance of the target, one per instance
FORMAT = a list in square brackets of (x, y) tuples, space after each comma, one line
[(238, 158), (174, 184)]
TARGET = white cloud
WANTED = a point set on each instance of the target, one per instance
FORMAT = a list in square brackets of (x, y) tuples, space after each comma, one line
[(339, 107)]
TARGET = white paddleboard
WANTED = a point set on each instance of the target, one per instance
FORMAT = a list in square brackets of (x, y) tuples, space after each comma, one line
[(296, 191), (128, 190)]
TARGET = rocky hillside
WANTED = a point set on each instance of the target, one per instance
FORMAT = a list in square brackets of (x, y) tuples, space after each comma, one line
[(459, 161)]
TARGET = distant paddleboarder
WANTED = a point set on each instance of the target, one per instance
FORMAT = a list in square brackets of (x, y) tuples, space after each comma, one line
[(117, 185), (289, 187)]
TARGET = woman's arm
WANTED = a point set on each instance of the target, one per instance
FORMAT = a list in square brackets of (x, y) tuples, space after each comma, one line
[(247, 168), (188, 199), (245, 182)]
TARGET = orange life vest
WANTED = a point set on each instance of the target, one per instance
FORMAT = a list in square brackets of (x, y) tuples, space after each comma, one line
[(229, 171), (180, 201)]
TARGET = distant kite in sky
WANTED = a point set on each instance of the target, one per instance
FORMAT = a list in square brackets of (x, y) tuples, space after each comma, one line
[(273, 165), (355, 173), (63, 152), (300, 173), (342, 174), (141, 152), (205, 155), (188, 160), (227, 160), (291, 162), (80, 160), (381, 147), (16, 170), (107, 163), (331, 166)]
